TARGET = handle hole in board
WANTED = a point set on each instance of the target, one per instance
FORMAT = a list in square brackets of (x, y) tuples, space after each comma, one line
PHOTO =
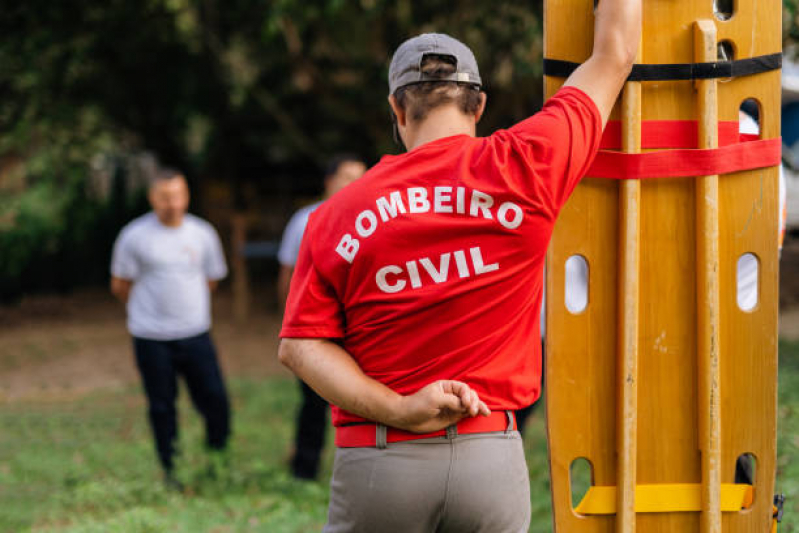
[(576, 284), (724, 9), (581, 477), (746, 473), (726, 50), (748, 281), (749, 117)]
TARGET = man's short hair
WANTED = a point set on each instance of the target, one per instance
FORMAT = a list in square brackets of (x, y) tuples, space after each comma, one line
[(335, 162), (419, 99), (164, 174)]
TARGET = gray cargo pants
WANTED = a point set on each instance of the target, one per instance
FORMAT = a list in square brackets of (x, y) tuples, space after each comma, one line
[(458, 483)]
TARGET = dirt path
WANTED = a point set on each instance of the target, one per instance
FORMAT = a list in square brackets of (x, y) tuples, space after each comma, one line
[(57, 347)]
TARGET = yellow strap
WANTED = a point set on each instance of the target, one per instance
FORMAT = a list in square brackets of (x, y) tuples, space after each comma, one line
[(668, 498), (774, 523)]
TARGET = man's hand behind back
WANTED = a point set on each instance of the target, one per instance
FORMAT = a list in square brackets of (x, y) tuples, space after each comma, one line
[(438, 405)]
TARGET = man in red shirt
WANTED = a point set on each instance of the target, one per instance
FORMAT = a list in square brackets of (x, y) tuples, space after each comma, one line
[(415, 301)]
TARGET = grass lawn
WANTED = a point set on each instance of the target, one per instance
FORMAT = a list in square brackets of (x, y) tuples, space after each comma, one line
[(88, 465)]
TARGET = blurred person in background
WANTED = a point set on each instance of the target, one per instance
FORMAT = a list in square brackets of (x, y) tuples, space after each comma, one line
[(165, 265), (342, 170)]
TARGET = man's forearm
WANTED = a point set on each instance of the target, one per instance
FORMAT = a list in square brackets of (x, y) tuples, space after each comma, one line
[(330, 371), (120, 288), (617, 31), (335, 375), (617, 34)]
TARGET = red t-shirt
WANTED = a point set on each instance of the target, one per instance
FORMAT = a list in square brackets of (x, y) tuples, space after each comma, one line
[(430, 266)]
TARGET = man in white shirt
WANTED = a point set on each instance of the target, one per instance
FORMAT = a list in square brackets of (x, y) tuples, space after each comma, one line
[(164, 266), (312, 418)]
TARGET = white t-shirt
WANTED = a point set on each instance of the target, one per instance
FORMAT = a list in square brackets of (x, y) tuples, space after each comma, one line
[(292, 235), (170, 269)]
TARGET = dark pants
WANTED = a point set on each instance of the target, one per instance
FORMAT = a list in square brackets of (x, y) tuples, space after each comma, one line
[(194, 358), (311, 425), (523, 414)]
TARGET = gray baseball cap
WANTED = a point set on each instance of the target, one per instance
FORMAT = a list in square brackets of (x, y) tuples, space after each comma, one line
[(406, 64)]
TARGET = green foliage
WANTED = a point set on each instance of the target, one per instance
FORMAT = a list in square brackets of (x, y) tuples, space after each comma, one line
[(247, 91), (791, 20), (90, 466), (788, 435), (256, 94), (54, 233)]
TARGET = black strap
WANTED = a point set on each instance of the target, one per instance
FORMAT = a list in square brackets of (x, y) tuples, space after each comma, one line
[(681, 71), (779, 503)]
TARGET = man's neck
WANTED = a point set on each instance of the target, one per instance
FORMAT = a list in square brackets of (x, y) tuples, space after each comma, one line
[(170, 223), (442, 122)]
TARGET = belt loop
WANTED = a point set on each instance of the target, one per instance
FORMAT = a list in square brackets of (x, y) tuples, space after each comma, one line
[(381, 436), (511, 421), (452, 431)]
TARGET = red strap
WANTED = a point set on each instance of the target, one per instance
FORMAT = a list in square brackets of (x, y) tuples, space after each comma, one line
[(748, 155), (670, 134), (737, 152)]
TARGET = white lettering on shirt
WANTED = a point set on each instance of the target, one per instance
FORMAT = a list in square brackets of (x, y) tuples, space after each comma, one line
[(362, 230), (417, 198), (481, 201), (460, 261), (413, 273), (438, 199), (441, 199), (502, 215), (390, 209), (460, 202), (440, 275), (435, 274), (477, 262), (386, 287), (348, 248)]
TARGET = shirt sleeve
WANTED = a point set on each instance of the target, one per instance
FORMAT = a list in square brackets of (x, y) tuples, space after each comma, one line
[(214, 264), (292, 238), (124, 263), (313, 310), (556, 147)]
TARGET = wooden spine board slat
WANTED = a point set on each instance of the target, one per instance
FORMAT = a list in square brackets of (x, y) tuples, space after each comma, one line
[(629, 250), (708, 305), (629, 308)]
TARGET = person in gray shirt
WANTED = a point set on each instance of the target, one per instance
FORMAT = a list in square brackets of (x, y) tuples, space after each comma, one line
[(309, 438), (164, 267)]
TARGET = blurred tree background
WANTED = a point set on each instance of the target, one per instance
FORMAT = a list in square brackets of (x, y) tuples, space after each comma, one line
[(248, 97)]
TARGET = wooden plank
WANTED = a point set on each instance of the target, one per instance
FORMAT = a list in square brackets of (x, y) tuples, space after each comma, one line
[(707, 289), (629, 265), (748, 218)]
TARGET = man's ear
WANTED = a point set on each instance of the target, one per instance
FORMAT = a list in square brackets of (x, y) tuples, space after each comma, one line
[(399, 113), (481, 108)]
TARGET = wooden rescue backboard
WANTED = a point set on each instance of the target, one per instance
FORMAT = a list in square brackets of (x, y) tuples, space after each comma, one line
[(654, 382)]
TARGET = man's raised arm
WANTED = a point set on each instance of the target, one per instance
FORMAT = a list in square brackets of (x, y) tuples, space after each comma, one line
[(617, 35)]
